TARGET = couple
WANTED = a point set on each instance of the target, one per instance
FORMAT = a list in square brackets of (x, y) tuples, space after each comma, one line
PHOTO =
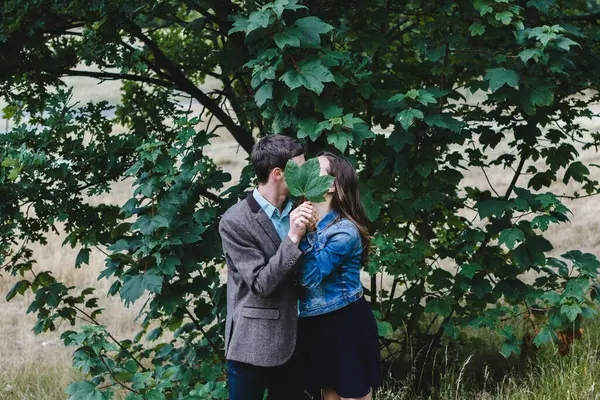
[(296, 315)]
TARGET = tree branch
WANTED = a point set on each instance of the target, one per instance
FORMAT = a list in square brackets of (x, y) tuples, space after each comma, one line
[(583, 17), (113, 375), (116, 76), (516, 177), (240, 134)]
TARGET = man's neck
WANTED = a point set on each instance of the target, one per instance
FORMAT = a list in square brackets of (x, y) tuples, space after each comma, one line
[(272, 195)]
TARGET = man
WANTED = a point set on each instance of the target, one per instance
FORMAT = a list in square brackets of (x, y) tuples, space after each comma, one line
[(260, 238)]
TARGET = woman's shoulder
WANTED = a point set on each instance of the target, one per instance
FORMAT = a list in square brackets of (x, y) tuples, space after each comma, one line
[(347, 226)]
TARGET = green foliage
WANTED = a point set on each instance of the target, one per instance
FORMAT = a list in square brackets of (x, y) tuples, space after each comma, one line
[(332, 74), (305, 181)]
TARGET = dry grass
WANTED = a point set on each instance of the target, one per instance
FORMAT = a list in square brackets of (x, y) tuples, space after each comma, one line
[(38, 367)]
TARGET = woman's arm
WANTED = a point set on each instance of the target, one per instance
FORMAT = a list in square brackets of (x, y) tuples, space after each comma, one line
[(320, 263)]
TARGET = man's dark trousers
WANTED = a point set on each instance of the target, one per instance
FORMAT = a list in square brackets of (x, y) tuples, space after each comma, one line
[(248, 382)]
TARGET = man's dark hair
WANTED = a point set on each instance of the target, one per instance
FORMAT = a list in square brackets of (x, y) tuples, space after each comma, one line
[(272, 152)]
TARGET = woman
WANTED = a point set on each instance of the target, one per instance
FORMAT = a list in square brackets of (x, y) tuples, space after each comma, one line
[(337, 326)]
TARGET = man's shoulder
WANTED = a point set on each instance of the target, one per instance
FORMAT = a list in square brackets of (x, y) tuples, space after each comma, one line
[(237, 212)]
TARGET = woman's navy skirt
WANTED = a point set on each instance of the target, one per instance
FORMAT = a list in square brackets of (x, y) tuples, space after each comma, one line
[(341, 350)]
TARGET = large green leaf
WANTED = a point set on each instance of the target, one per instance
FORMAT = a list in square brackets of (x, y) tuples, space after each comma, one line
[(312, 75), (289, 37), (511, 236), (264, 93), (499, 77), (311, 29), (407, 117), (306, 180), (134, 286), (545, 336)]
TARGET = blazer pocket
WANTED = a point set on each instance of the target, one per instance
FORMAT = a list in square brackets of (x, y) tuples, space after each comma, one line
[(260, 313)]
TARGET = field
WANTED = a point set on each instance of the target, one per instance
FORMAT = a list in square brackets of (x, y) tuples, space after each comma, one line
[(39, 367)]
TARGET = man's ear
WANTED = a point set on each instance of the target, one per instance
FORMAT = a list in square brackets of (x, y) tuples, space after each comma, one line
[(277, 174)]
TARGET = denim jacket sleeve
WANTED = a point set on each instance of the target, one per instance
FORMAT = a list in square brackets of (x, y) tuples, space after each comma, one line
[(321, 261)]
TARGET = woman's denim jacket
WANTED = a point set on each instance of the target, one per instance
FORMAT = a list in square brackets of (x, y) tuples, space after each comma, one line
[(330, 277)]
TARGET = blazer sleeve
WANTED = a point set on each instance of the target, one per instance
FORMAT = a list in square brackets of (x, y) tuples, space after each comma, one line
[(241, 252), (320, 262)]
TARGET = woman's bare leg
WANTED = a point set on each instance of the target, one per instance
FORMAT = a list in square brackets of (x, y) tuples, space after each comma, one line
[(330, 394)]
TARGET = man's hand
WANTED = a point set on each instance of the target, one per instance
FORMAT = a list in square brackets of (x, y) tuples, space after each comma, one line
[(301, 217)]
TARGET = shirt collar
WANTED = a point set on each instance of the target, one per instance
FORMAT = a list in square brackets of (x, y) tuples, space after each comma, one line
[(269, 208), (327, 219)]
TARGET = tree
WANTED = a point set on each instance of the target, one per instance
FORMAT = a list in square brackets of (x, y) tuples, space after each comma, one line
[(329, 73)]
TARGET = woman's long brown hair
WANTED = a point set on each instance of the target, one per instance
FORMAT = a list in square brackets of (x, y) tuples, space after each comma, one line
[(346, 197)]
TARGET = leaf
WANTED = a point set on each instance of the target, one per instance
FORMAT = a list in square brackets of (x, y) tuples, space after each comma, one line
[(148, 224), (541, 5), (258, 19), (384, 329), (541, 95), (561, 266), (485, 9), (586, 263), (361, 132), (83, 257), (532, 251), (469, 270), (339, 140), (505, 17), (528, 54), (372, 207), (487, 208), (289, 37), (507, 349), (306, 180), (451, 331), (19, 287), (426, 98), (499, 77), (312, 75), (545, 336), (85, 390), (577, 171), (571, 311), (398, 139), (438, 306), (406, 117), (310, 128), (311, 29), (551, 297), (134, 286), (543, 34), (566, 43), (510, 237), (154, 334), (263, 94), (477, 29)]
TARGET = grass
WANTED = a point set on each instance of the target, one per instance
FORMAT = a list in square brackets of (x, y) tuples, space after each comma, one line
[(482, 374), (472, 371)]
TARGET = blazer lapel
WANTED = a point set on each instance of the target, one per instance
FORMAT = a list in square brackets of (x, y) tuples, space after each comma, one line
[(263, 220)]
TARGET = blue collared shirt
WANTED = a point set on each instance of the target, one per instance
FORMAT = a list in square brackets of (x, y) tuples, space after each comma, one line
[(281, 221)]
